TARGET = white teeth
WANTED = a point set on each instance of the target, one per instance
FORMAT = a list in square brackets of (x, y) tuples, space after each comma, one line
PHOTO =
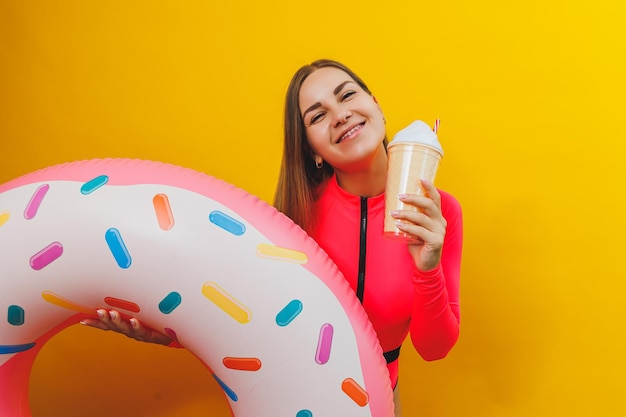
[(349, 132)]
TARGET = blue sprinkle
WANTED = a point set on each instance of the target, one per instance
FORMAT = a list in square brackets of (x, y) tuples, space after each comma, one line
[(170, 302), (6, 349), (92, 185), (231, 394), (118, 248), (304, 413), (227, 223), (15, 315), (289, 312)]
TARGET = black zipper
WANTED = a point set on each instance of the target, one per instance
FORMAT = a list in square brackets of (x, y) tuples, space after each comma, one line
[(360, 287)]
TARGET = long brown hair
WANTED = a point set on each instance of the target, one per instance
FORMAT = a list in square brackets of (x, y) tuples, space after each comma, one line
[(299, 178)]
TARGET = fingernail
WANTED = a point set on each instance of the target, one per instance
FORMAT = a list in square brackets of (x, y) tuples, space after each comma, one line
[(394, 213), (82, 322), (113, 315), (402, 196), (133, 322), (100, 313)]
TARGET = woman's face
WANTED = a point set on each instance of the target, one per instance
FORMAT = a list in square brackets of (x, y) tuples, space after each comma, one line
[(344, 124)]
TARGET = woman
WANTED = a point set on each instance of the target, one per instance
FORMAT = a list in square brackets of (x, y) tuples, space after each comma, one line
[(332, 183), (335, 161)]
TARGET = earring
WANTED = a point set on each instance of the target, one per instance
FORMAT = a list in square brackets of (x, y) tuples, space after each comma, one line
[(319, 164)]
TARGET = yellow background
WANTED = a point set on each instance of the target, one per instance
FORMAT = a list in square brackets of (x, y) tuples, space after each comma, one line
[(531, 96)]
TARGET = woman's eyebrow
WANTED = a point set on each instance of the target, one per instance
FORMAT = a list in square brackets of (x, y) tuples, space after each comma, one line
[(313, 107), (336, 91)]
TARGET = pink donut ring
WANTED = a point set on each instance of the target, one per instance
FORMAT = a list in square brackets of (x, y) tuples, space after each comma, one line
[(238, 284)]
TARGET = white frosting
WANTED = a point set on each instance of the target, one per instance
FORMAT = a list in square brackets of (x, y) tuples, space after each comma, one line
[(417, 132)]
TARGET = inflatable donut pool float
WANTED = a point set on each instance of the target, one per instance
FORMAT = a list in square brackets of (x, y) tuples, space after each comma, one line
[(232, 279)]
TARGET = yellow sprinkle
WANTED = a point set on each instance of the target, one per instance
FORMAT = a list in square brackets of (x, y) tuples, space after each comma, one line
[(226, 302), (265, 250), (57, 300), (4, 217)]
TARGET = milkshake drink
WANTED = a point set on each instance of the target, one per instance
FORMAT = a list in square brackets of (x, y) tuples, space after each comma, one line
[(413, 154)]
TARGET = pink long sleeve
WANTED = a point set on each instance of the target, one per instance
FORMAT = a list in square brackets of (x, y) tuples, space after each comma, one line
[(436, 311)]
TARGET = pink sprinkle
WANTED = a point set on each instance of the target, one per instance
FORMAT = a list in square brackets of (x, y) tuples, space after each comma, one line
[(35, 202), (171, 333), (324, 344), (46, 256)]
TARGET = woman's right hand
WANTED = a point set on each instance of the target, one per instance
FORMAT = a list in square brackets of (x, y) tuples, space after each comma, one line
[(113, 320)]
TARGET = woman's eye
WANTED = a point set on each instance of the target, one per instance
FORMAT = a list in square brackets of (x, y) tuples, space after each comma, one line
[(347, 95), (317, 117)]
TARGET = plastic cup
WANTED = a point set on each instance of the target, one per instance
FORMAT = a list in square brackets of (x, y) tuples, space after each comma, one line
[(407, 164)]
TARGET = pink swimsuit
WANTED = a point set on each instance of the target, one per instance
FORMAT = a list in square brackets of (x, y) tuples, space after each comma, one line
[(396, 295)]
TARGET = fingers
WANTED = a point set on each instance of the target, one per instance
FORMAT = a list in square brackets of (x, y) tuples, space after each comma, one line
[(427, 223), (429, 203), (420, 218), (427, 214), (424, 221), (422, 235), (131, 327), (109, 320), (431, 191), (116, 323), (95, 323)]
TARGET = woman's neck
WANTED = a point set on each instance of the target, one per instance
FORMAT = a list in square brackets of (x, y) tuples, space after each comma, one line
[(368, 181)]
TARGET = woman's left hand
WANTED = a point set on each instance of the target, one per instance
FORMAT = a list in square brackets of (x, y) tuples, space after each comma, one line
[(427, 225)]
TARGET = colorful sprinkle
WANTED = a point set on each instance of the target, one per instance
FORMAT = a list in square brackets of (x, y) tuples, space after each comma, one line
[(6, 349), (163, 211), (289, 312), (4, 217), (171, 333), (304, 413), (118, 248), (265, 250), (227, 223), (46, 256), (35, 202), (170, 302), (226, 302), (92, 185), (355, 391), (242, 364), (59, 301), (123, 304), (15, 315), (324, 344), (231, 394)]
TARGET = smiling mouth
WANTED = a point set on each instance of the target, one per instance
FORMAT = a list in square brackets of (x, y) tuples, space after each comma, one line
[(350, 132)]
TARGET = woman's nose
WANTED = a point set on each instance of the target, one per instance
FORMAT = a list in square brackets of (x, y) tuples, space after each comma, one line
[(342, 117)]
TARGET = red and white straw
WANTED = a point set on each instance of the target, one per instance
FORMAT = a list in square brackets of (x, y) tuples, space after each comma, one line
[(436, 126)]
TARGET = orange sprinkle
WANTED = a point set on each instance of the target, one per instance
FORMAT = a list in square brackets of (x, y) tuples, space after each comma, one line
[(57, 300), (355, 391), (163, 211), (242, 364), (123, 304)]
